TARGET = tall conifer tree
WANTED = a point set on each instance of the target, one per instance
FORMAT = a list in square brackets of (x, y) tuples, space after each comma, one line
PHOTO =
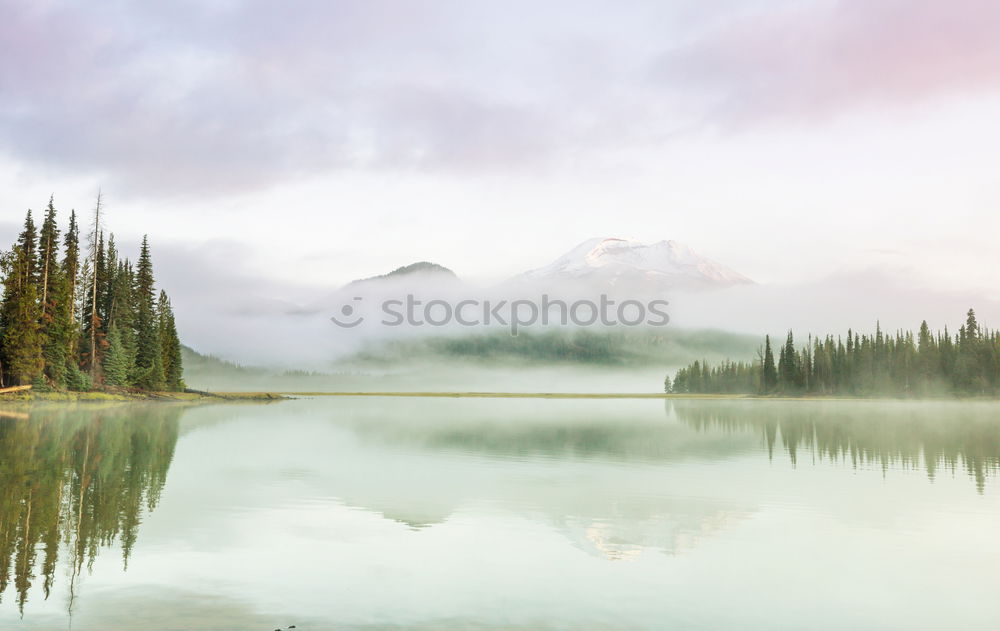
[(769, 378), (20, 334), (56, 304), (170, 345), (148, 356)]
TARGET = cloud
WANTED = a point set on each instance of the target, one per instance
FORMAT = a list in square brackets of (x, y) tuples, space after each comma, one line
[(216, 100), (820, 59), (199, 98), (892, 295)]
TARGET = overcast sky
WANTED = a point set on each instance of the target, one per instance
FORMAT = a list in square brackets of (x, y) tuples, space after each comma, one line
[(319, 141)]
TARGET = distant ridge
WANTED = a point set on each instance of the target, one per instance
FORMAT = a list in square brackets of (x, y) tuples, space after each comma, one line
[(423, 268)]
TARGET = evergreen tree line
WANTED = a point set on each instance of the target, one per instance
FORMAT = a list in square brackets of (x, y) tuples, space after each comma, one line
[(899, 364), (83, 319)]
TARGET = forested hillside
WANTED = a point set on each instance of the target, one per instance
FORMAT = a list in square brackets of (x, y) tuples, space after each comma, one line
[(622, 347)]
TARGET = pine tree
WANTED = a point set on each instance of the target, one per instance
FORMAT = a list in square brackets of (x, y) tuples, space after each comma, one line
[(971, 326), (170, 345), (58, 328), (788, 369), (27, 244), (769, 375), (121, 315), (148, 356), (968, 372), (55, 300), (927, 360), (48, 245), (92, 329), (105, 290), (21, 339), (116, 360), (71, 255), (68, 311)]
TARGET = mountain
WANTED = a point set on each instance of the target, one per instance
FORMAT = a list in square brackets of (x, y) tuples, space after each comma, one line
[(630, 265), (420, 269)]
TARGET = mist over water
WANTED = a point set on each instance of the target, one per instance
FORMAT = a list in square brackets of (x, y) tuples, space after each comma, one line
[(297, 333), (455, 376), (567, 360), (424, 513)]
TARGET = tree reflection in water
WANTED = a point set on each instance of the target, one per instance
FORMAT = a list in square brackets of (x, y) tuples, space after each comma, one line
[(908, 435), (73, 480)]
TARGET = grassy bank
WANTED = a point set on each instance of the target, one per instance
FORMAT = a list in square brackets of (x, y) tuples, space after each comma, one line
[(28, 396)]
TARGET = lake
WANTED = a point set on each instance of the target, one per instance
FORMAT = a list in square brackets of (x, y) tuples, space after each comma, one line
[(488, 514)]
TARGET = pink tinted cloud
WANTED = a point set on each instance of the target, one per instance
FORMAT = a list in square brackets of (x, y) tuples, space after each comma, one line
[(822, 58)]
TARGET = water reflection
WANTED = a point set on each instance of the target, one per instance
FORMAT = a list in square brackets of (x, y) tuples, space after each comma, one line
[(904, 435), (439, 513), (620, 431), (74, 480)]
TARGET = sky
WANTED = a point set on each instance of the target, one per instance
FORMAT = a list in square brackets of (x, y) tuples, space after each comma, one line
[(270, 146)]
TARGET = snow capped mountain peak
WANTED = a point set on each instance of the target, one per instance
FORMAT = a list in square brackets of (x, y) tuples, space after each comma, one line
[(628, 263)]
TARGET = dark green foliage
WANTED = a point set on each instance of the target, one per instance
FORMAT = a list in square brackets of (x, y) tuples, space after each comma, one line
[(48, 246), (105, 290), (148, 372), (79, 324), (93, 325), (20, 332), (116, 360), (769, 378), (790, 376), (121, 314), (902, 364), (728, 377), (27, 246), (57, 324), (71, 255), (58, 327), (170, 345), (76, 379)]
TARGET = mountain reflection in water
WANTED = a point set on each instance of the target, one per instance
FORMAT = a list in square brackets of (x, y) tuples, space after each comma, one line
[(368, 513)]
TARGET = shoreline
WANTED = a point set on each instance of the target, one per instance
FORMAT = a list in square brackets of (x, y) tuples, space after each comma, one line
[(198, 396), (98, 396), (617, 395)]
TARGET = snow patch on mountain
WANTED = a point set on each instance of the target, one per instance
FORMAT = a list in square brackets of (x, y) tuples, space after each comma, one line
[(627, 263)]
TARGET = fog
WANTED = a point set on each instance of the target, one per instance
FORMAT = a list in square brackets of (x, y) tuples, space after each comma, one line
[(440, 376), (285, 327), (252, 319)]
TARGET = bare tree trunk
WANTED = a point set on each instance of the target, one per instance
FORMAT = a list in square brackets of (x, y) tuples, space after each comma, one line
[(45, 272), (93, 294)]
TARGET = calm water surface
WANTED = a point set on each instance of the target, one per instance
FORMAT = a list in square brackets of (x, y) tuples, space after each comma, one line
[(501, 514)]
